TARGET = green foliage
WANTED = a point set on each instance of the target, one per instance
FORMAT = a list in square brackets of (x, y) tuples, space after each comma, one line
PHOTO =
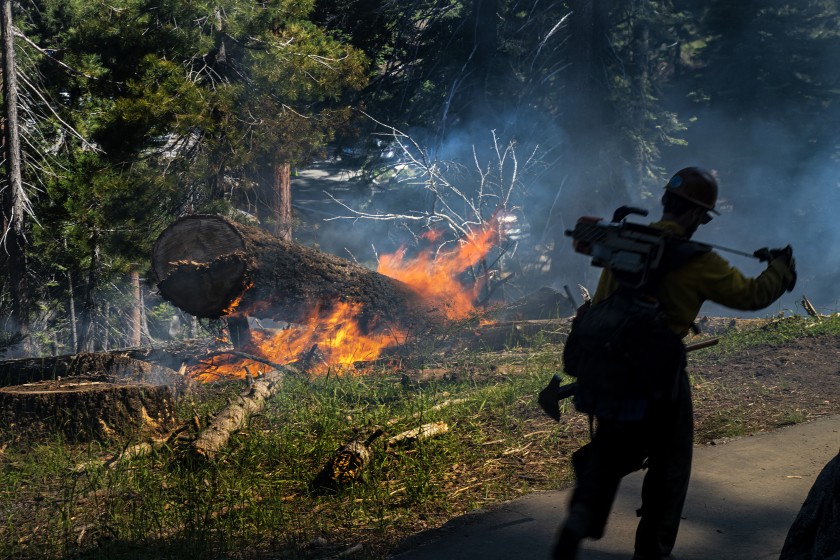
[(149, 110), (138, 112)]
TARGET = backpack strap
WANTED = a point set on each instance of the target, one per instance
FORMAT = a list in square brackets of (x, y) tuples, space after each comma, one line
[(678, 252)]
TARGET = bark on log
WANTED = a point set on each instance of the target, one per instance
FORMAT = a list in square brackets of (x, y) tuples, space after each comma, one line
[(234, 417), (86, 410), (205, 264)]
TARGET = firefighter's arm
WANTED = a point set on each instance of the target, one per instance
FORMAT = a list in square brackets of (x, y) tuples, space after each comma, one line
[(726, 285)]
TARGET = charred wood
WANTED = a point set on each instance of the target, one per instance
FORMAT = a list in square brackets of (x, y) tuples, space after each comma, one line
[(347, 464), (120, 366)]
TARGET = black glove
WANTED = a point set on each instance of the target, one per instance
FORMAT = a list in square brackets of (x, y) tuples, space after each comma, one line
[(767, 255), (785, 254)]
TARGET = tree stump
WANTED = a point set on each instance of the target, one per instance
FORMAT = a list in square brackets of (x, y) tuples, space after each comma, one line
[(118, 366), (86, 409)]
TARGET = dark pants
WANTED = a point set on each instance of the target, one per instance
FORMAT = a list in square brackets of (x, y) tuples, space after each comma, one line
[(663, 442)]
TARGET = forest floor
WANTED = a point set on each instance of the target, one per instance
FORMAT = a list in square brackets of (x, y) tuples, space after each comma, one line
[(765, 387), (255, 500)]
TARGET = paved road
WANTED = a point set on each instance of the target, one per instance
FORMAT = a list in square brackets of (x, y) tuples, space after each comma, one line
[(743, 497)]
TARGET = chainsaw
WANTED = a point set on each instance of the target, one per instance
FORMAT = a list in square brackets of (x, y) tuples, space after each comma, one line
[(633, 251)]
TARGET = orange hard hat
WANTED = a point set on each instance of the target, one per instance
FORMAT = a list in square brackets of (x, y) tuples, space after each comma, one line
[(695, 185)]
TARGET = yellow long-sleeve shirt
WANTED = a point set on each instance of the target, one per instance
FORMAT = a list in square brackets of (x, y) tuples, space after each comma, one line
[(707, 276)]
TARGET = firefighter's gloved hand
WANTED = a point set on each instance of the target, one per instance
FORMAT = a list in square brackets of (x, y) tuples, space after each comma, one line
[(785, 254), (763, 254)]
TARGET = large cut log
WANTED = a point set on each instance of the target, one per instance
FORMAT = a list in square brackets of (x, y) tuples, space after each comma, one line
[(207, 265)]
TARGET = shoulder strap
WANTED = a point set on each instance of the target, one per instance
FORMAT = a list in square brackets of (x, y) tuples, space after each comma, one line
[(680, 251)]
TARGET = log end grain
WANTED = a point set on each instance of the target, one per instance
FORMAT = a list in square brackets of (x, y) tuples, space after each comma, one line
[(206, 290), (199, 263)]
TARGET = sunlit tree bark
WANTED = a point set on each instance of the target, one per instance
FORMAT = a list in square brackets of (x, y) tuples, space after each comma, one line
[(14, 196)]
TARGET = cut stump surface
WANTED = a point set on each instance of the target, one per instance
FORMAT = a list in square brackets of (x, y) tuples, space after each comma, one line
[(86, 410)]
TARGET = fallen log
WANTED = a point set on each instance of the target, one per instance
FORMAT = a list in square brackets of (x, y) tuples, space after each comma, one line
[(419, 433), (208, 265)]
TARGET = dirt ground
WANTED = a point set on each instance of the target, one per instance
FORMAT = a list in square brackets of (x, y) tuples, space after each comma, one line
[(764, 388)]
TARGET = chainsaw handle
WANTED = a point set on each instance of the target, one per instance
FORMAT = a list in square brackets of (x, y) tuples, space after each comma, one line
[(623, 211)]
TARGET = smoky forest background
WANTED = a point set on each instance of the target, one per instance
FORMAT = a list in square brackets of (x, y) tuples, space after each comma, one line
[(356, 126)]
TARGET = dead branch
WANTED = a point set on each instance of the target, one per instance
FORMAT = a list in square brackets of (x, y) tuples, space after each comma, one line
[(809, 308), (233, 417), (438, 406), (414, 435)]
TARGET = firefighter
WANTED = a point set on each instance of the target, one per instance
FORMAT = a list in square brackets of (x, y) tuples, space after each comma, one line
[(662, 440)]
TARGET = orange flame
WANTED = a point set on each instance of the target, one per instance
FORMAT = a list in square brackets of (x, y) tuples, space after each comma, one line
[(231, 307), (334, 338), (436, 277)]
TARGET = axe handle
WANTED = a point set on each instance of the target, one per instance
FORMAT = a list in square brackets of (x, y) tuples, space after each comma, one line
[(701, 345)]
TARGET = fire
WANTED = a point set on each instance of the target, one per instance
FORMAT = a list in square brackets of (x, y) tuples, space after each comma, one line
[(231, 307), (436, 276), (333, 340), (337, 334), (330, 339)]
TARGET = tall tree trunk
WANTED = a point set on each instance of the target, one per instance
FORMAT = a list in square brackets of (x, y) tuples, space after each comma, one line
[(74, 333), (283, 200), (485, 39), (14, 197), (86, 337), (106, 315), (136, 306), (144, 323), (641, 92)]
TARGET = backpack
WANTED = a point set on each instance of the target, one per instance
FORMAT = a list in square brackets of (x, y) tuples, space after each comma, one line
[(621, 350), (624, 357)]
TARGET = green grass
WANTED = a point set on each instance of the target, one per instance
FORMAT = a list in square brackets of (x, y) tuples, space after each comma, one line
[(257, 494), (774, 332), (725, 423)]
